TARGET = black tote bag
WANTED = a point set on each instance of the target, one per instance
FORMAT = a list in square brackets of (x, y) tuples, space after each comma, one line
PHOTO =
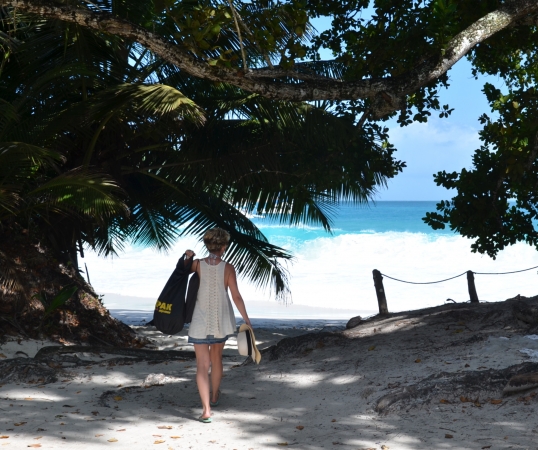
[(176, 302)]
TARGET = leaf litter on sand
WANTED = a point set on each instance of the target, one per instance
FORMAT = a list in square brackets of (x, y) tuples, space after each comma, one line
[(527, 398)]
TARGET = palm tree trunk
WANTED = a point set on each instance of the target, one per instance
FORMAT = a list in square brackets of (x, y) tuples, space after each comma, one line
[(31, 275)]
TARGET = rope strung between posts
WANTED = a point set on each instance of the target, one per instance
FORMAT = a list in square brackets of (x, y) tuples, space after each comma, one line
[(461, 274), (427, 282), (503, 273)]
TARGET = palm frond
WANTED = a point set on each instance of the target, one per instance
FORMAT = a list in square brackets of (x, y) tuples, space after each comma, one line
[(18, 160), (330, 69), (83, 191), (168, 210), (155, 99), (151, 227), (21, 165), (8, 114), (106, 239), (250, 252)]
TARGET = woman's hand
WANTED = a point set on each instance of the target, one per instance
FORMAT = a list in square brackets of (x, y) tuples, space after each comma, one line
[(247, 321), (189, 253)]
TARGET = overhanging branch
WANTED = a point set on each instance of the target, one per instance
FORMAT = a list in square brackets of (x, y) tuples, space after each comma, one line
[(266, 81)]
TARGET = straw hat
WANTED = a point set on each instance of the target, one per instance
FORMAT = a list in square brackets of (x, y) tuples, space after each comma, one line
[(246, 343)]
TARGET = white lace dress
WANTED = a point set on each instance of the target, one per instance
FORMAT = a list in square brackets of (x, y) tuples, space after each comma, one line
[(213, 320)]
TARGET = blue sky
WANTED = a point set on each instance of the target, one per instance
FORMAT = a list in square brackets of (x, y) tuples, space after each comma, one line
[(440, 144)]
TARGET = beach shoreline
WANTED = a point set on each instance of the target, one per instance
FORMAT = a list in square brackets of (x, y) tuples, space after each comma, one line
[(315, 390)]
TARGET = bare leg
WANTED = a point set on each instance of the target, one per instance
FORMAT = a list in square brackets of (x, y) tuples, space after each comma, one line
[(215, 353), (203, 362)]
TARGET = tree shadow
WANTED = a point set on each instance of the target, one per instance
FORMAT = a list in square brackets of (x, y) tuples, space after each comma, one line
[(314, 391)]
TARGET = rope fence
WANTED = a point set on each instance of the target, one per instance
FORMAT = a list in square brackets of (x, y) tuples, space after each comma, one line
[(382, 299), (425, 282)]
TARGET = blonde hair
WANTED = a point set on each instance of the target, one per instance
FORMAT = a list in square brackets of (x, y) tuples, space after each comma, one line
[(216, 238)]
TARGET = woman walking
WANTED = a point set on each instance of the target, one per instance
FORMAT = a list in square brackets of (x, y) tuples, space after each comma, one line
[(213, 320)]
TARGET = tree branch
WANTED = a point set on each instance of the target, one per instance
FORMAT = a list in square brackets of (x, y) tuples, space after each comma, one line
[(234, 14), (251, 35), (388, 94)]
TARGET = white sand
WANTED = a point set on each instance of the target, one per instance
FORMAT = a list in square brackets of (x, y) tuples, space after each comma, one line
[(323, 398)]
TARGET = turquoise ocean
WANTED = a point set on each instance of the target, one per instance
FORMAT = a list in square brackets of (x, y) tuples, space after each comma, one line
[(350, 219), (331, 274)]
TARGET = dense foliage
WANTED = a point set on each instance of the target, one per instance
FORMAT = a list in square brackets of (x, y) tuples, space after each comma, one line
[(147, 120), (104, 143), (496, 203)]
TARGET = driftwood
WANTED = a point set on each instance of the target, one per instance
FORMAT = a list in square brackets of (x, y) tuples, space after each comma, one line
[(474, 386)]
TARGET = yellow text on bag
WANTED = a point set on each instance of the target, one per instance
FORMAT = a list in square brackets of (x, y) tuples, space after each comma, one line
[(165, 308)]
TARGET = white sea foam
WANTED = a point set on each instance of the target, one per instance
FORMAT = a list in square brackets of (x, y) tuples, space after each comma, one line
[(285, 227), (336, 272)]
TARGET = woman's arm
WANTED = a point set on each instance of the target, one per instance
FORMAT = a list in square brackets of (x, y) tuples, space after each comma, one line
[(231, 283), (195, 263)]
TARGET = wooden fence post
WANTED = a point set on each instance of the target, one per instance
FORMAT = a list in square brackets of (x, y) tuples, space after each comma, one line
[(380, 292), (472, 289)]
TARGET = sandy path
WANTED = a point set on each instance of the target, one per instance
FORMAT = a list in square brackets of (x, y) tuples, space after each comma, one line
[(323, 397)]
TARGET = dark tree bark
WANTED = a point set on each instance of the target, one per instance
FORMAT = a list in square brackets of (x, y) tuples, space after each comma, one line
[(29, 271)]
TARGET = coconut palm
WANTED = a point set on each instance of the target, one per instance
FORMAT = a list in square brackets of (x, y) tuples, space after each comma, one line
[(187, 154)]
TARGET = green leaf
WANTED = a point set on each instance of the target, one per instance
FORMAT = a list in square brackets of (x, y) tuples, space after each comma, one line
[(60, 299)]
